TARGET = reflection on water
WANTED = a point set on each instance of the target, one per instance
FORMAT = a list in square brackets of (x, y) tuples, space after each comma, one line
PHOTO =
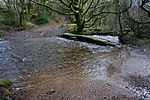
[(76, 70)]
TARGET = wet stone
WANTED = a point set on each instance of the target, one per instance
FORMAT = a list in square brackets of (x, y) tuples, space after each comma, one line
[(51, 91)]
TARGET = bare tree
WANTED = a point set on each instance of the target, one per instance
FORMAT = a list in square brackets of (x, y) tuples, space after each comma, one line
[(137, 20), (142, 6)]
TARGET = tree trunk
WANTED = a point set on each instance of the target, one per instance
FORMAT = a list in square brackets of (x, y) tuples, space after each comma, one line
[(20, 19), (80, 28), (80, 23)]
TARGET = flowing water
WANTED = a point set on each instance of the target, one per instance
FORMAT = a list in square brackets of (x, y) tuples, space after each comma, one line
[(58, 69)]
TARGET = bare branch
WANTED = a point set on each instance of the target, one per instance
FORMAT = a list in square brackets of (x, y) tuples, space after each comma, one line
[(88, 7), (143, 8), (49, 8)]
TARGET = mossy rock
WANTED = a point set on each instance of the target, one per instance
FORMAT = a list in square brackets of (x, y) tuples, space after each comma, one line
[(29, 24), (5, 83), (90, 39)]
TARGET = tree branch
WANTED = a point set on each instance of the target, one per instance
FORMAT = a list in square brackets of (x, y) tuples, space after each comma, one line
[(143, 8), (88, 7), (49, 8)]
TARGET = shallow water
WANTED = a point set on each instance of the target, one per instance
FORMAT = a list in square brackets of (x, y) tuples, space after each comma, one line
[(109, 38), (57, 68)]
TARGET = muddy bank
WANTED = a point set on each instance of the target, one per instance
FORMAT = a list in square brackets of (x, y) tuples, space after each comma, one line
[(73, 88)]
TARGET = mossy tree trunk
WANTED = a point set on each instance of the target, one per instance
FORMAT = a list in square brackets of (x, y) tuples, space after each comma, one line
[(79, 20)]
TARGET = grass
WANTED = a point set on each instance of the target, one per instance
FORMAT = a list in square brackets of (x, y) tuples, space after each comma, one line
[(144, 41), (5, 83)]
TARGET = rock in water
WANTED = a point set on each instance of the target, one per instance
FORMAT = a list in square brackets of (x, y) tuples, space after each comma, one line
[(51, 91)]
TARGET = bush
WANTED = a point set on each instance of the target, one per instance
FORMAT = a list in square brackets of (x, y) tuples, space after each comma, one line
[(41, 20), (10, 18)]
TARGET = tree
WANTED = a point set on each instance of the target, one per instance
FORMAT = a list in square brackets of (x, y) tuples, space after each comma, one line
[(142, 6), (120, 9), (85, 13), (133, 19), (20, 8), (137, 19)]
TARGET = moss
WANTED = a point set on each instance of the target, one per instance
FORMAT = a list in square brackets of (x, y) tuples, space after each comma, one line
[(29, 24), (5, 83)]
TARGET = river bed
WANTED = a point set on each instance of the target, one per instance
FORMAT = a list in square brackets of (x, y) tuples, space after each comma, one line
[(60, 69)]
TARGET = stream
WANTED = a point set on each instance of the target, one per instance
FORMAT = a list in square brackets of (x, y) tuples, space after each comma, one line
[(53, 68)]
